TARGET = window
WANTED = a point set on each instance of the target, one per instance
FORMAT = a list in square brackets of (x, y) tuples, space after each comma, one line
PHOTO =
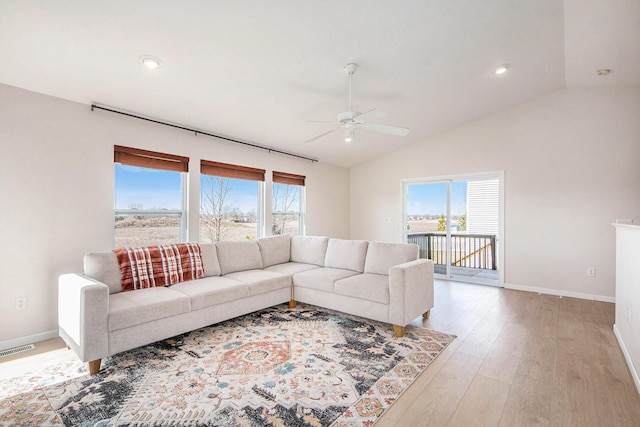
[(149, 202), (287, 204), (230, 202)]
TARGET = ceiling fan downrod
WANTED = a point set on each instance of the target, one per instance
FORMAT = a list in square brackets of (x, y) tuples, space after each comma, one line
[(350, 69)]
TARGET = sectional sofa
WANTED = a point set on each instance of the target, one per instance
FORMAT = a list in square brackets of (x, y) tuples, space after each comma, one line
[(380, 281)]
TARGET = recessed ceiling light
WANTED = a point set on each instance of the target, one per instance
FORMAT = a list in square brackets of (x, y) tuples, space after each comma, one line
[(603, 71), (502, 69), (150, 62)]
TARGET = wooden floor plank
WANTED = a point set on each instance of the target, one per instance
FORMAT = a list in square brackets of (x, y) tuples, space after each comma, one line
[(513, 417), (603, 352), (621, 401), (533, 378), (503, 359), (527, 307), (574, 393), (545, 323), (440, 398), (482, 405), (482, 338), (571, 334), (593, 312), (609, 311)]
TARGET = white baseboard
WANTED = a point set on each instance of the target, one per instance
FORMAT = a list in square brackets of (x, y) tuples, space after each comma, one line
[(17, 342), (560, 292), (627, 356)]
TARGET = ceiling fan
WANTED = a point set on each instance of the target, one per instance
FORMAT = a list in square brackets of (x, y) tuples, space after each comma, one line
[(353, 121)]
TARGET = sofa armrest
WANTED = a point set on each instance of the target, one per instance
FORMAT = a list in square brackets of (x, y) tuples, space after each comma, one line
[(83, 307), (410, 291)]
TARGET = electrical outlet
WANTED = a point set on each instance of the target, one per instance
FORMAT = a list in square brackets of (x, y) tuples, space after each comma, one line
[(21, 303), (591, 272)]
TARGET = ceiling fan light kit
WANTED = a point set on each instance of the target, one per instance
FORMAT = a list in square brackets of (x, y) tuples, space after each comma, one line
[(349, 137), (353, 121), (502, 69)]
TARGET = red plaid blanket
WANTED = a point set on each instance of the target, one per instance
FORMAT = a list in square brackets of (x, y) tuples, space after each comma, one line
[(161, 265)]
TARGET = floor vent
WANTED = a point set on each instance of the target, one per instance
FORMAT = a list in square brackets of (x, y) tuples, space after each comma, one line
[(16, 350), (549, 295)]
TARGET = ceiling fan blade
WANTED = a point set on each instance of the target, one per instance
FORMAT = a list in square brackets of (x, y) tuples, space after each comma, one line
[(321, 135), (370, 116), (391, 130)]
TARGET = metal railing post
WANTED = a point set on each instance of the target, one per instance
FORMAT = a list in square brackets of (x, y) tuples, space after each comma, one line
[(493, 253)]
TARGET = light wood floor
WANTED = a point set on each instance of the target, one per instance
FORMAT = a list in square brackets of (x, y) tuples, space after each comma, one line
[(520, 359), (47, 353)]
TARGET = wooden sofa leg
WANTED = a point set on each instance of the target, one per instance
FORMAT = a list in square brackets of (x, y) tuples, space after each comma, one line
[(292, 303), (426, 314), (398, 331), (94, 366)]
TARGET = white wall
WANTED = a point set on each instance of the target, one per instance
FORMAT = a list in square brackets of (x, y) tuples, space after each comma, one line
[(627, 326), (56, 187), (572, 167)]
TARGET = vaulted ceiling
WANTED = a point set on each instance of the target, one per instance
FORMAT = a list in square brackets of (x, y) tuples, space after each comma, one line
[(258, 70)]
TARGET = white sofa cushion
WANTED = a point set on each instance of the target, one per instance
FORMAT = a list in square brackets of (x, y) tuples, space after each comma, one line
[(291, 268), (238, 256), (382, 256), (127, 309), (372, 287), (346, 254), (261, 281), (275, 250), (103, 266), (321, 279), (210, 291), (309, 249), (209, 259)]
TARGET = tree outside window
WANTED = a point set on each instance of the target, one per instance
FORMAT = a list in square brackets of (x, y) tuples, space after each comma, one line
[(228, 209), (286, 209), (230, 202), (288, 204)]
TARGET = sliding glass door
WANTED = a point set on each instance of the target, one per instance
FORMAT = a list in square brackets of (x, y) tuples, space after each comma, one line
[(457, 223)]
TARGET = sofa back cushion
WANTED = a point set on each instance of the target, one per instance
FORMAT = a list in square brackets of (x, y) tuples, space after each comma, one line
[(309, 249), (346, 254), (103, 266), (382, 256), (238, 255), (275, 250), (210, 259)]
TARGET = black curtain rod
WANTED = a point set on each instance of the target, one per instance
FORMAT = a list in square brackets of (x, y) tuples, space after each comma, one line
[(199, 132)]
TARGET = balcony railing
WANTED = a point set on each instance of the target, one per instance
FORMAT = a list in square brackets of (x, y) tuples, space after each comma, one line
[(467, 250)]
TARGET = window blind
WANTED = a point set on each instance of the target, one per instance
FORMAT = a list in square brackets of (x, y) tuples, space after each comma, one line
[(231, 171), (150, 159), (288, 178)]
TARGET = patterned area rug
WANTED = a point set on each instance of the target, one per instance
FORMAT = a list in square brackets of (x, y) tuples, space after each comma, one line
[(276, 367)]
